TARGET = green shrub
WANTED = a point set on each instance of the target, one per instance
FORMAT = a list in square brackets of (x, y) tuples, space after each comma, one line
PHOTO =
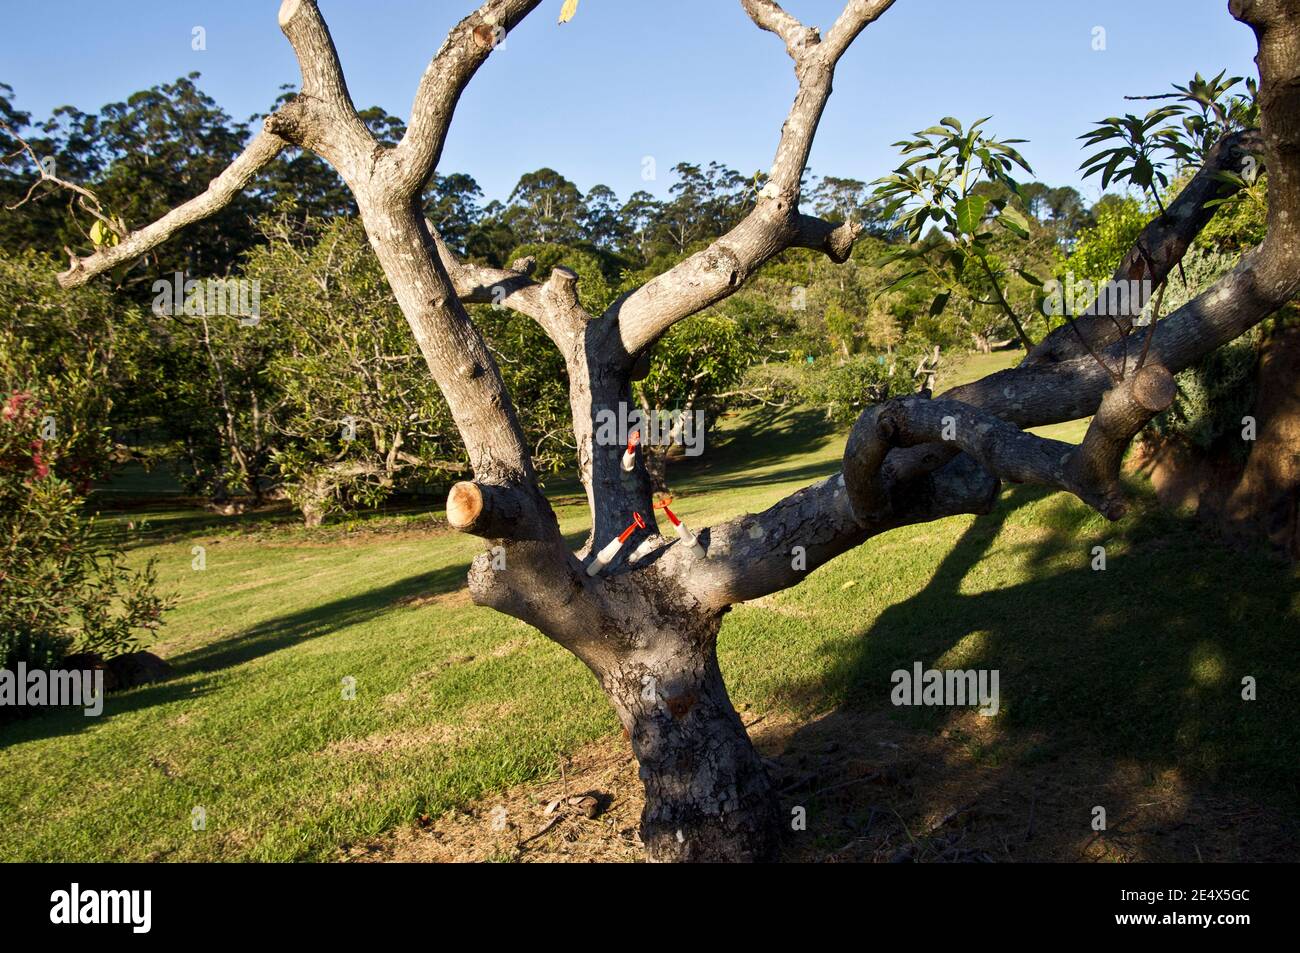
[(59, 590), (845, 388)]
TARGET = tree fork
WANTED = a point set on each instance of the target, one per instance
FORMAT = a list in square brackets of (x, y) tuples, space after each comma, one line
[(648, 629)]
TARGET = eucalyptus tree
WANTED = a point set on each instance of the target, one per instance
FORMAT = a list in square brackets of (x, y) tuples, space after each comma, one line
[(647, 623)]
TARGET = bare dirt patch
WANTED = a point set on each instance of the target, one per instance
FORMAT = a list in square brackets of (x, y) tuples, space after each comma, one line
[(517, 826), (773, 604), (876, 791), (419, 679)]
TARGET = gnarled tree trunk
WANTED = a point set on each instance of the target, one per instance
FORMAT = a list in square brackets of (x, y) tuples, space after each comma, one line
[(708, 796)]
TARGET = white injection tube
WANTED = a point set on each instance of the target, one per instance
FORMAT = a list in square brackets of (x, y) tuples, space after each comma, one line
[(629, 455), (610, 549), (684, 534)]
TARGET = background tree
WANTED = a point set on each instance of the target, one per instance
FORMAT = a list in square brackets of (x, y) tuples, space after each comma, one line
[(356, 417), (695, 363), (639, 214), (545, 207), (602, 223), (452, 204)]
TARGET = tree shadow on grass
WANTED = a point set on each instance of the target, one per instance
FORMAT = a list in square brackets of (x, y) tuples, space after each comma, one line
[(58, 722), (762, 441), (1136, 668), (258, 640), (152, 523), (318, 620)]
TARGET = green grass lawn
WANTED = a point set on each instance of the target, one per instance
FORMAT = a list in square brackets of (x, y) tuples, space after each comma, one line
[(1142, 661)]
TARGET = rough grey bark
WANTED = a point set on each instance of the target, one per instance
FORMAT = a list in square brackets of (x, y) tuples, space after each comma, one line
[(647, 625), (708, 795)]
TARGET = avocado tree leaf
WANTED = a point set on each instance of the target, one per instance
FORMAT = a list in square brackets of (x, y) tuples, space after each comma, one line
[(1014, 222), (970, 212), (101, 234)]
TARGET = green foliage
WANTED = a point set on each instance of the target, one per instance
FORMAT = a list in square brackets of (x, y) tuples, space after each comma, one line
[(350, 412), (355, 412), (1138, 156), (936, 182), (1143, 146), (58, 589), (695, 362), (939, 182), (848, 388), (1099, 248), (66, 365), (1214, 394), (1211, 110), (535, 376), (545, 207), (81, 349), (1240, 222), (841, 388)]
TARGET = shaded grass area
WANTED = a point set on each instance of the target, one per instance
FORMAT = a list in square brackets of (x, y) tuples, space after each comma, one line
[(1142, 661)]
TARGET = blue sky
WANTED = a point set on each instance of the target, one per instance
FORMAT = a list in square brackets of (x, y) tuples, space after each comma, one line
[(672, 79)]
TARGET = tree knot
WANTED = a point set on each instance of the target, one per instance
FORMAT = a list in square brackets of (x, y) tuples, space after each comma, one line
[(679, 705)]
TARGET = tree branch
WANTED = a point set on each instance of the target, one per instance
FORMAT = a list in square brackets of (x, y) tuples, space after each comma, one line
[(853, 20), (775, 223), (756, 554), (493, 512), (559, 314), (1025, 396), (323, 118), (1090, 471), (322, 74), (834, 239), (1158, 250), (219, 193), (769, 16), (466, 48), (752, 556)]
